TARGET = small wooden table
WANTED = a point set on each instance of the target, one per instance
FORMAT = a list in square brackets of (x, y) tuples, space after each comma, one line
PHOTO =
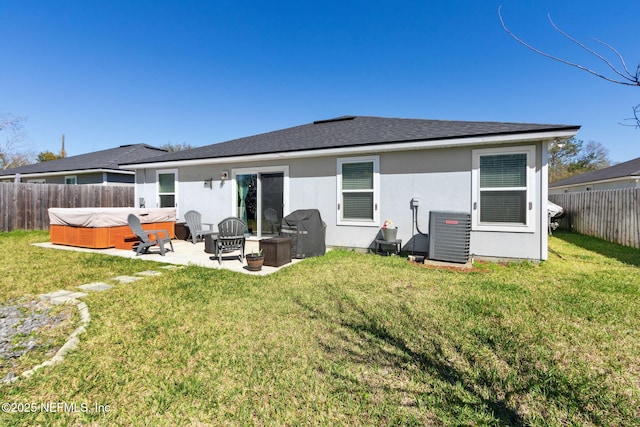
[(276, 251), (210, 242), (182, 232)]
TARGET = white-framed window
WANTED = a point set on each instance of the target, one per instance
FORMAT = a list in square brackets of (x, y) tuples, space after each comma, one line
[(503, 189), (167, 188), (71, 179), (358, 191)]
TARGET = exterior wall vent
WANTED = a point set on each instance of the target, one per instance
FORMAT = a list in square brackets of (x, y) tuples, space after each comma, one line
[(449, 234)]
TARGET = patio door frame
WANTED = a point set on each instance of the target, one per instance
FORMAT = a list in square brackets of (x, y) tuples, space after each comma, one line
[(257, 171)]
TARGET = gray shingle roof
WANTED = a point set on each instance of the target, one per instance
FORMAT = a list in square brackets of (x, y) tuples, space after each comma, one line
[(105, 159), (621, 170), (352, 131)]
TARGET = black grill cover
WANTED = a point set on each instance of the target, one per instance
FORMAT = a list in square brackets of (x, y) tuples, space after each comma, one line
[(307, 232)]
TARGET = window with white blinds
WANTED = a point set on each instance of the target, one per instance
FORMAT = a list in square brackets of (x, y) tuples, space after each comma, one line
[(357, 191), (503, 186)]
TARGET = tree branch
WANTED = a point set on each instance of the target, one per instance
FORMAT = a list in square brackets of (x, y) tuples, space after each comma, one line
[(632, 80), (629, 77), (635, 118), (633, 77)]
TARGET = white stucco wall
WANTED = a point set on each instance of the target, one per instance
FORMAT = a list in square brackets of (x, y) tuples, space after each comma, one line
[(439, 178)]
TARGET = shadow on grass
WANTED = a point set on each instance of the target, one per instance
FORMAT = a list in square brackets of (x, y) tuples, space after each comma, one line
[(463, 385), (366, 341), (624, 254)]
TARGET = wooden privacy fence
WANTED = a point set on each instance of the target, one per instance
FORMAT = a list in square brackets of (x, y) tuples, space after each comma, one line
[(25, 206), (612, 215)]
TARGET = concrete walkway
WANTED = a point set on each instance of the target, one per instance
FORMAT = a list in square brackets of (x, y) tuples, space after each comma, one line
[(186, 253)]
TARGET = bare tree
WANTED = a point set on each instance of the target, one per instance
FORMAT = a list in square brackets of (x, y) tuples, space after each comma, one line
[(12, 135), (619, 73), (177, 146), (574, 157), (595, 156)]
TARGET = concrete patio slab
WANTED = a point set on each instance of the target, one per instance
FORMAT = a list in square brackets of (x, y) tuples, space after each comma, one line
[(186, 253)]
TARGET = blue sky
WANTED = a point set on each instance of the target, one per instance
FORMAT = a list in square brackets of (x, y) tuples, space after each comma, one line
[(199, 72)]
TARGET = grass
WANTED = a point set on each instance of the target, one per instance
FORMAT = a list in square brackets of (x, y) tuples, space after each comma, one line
[(344, 339)]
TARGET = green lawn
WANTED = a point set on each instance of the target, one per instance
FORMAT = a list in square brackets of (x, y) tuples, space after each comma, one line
[(344, 339)]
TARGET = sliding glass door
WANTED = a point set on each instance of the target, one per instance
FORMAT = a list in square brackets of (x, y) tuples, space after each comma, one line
[(260, 201), (247, 202), (271, 202)]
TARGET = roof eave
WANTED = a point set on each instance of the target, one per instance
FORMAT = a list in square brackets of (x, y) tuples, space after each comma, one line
[(599, 181), (520, 137), (69, 172)]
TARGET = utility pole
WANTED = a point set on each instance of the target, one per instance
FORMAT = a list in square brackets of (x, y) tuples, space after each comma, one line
[(63, 153)]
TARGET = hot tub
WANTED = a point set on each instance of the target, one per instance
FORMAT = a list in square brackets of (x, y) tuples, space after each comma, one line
[(100, 228)]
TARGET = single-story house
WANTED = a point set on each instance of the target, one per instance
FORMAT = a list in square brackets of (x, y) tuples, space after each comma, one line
[(360, 171), (622, 175), (98, 167)]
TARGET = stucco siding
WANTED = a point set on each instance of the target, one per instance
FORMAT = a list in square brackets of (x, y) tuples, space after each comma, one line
[(441, 179), (495, 245), (202, 189)]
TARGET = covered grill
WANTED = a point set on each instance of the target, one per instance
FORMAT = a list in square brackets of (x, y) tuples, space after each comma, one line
[(307, 232)]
